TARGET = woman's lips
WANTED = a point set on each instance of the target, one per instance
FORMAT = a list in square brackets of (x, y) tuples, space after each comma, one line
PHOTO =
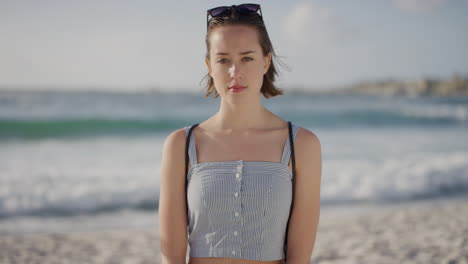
[(237, 88)]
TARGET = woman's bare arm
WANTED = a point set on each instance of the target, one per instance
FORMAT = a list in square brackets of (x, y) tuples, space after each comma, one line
[(172, 207), (306, 212)]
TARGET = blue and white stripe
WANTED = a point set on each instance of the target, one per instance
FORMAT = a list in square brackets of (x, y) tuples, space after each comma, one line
[(239, 209)]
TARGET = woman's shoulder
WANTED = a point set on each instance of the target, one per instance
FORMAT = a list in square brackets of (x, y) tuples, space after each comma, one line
[(308, 156), (174, 143), (306, 137), (179, 135)]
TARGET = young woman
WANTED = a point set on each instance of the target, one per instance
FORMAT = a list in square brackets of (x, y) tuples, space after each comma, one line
[(241, 205)]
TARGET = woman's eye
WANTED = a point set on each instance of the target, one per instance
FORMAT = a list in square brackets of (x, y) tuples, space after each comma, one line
[(224, 60)]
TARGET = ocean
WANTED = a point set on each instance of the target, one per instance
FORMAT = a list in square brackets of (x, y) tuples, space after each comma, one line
[(89, 160)]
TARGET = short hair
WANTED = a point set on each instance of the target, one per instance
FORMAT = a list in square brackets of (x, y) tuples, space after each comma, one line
[(268, 89)]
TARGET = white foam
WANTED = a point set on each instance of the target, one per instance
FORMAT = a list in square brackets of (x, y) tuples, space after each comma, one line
[(403, 177), (456, 112)]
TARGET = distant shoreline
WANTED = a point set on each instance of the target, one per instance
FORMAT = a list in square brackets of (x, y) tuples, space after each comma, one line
[(456, 85)]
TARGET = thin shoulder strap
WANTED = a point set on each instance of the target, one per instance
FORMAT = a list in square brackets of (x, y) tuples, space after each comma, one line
[(292, 135), (187, 145), (287, 149), (190, 151)]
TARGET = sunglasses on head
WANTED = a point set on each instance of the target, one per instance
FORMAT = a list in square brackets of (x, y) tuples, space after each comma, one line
[(244, 9)]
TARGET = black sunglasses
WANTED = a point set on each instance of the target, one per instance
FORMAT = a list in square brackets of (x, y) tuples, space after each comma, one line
[(244, 9)]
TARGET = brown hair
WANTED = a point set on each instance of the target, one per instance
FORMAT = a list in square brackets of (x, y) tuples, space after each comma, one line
[(255, 21)]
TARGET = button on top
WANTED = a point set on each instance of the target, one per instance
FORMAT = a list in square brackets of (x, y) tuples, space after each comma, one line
[(236, 213), (236, 194), (237, 175)]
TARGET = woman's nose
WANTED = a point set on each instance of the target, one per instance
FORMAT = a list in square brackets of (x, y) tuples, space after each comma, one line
[(234, 70)]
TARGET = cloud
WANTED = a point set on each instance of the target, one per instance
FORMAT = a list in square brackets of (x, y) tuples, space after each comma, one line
[(310, 26), (306, 23), (417, 6)]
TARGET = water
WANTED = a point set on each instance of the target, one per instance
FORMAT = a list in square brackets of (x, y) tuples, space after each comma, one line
[(74, 154)]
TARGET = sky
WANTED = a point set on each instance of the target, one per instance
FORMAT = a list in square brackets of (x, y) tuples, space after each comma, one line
[(143, 44)]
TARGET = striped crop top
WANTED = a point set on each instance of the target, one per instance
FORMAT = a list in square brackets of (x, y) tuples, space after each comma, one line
[(239, 209)]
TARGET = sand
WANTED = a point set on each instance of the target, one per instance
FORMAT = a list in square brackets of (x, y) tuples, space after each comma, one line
[(420, 232), (433, 231)]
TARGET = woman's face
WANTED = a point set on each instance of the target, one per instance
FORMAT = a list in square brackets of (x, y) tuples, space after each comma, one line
[(236, 59)]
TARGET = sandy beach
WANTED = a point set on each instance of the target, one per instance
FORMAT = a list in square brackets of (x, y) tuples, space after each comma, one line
[(434, 231)]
